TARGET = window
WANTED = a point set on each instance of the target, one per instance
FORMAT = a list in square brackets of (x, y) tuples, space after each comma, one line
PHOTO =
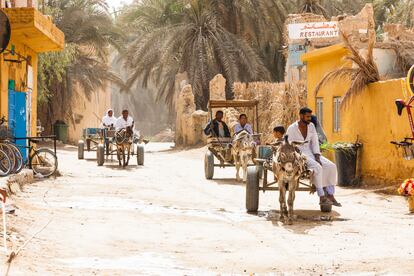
[(337, 114), (319, 110)]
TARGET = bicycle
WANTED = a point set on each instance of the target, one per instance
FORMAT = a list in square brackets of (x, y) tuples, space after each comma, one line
[(5, 164), (10, 149), (41, 160)]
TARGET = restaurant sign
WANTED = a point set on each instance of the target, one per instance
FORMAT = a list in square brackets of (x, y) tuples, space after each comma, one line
[(313, 30)]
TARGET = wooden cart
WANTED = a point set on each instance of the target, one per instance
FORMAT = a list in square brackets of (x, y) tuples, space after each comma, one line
[(220, 147), (102, 140), (258, 180)]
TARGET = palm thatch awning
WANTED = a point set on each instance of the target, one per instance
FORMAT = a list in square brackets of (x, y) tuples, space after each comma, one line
[(232, 103)]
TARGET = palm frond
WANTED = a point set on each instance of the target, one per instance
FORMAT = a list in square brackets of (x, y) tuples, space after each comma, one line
[(365, 70)]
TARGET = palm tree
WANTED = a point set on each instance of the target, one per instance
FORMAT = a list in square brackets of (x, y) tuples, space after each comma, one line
[(89, 31), (402, 12), (259, 23), (314, 6), (197, 43)]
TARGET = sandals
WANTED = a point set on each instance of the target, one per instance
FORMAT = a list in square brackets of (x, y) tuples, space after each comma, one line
[(334, 202)]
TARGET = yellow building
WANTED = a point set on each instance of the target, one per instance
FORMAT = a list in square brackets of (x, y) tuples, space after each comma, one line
[(371, 117), (31, 33)]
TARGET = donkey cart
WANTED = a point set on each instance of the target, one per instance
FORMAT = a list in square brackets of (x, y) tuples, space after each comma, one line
[(254, 183), (91, 138), (107, 143), (220, 147)]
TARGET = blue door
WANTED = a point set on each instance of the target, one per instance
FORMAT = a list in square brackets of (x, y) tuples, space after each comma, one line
[(17, 118)]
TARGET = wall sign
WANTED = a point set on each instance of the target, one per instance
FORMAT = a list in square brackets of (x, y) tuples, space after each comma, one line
[(313, 30)]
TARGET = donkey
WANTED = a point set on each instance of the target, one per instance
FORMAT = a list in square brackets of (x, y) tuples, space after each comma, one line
[(288, 166), (123, 140), (242, 150)]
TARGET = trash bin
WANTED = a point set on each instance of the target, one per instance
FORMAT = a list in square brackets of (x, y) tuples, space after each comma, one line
[(346, 161), (61, 131)]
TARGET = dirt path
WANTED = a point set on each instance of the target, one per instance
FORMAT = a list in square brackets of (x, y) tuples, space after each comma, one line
[(166, 219)]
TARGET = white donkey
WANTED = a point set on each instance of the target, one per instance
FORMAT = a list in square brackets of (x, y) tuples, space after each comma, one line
[(288, 166), (242, 150)]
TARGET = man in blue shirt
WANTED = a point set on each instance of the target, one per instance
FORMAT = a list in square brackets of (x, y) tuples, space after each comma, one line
[(217, 128)]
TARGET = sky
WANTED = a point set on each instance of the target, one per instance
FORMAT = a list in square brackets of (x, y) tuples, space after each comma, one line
[(117, 3)]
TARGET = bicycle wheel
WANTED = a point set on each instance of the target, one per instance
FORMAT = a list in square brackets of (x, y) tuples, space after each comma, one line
[(44, 162), (10, 153), (5, 164), (19, 157)]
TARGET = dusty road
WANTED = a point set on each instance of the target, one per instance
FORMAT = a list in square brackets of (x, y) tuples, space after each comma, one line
[(166, 219)]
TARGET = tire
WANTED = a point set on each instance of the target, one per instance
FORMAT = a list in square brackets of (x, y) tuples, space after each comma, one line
[(81, 149), (140, 155), (19, 157), (10, 153), (5, 164), (252, 189), (44, 162), (209, 165), (100, 154), (326, 208)]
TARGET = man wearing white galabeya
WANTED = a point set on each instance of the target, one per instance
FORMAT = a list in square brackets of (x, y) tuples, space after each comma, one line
[(124, 121), (325, 172)]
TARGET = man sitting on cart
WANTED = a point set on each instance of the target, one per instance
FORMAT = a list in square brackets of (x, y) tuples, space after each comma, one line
[(109, 120), (217, 127), (325, 172), (243, 125), (124, 121)]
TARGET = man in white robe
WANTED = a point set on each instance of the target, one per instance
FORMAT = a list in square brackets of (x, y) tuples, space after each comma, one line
[(124, 121), (109, 119), (325, 172), (243, 125)]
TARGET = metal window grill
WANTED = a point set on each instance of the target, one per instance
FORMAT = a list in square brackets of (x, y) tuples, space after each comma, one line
[(319, 110), (337, 114)]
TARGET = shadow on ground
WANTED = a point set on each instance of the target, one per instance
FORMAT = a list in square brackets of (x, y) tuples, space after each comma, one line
[(304, 220)]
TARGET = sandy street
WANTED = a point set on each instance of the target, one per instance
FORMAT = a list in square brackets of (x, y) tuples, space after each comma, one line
[(165, 219)]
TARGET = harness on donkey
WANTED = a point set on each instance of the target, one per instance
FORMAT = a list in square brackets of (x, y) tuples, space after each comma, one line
[(123, 139)]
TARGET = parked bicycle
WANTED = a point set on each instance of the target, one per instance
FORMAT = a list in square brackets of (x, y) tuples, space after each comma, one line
[(41, 160)]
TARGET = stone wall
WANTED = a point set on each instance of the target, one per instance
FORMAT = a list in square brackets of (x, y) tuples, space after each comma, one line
[(86, 110), (189, 121)]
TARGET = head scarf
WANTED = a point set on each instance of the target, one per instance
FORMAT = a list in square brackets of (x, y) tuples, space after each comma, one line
[(110, 109)]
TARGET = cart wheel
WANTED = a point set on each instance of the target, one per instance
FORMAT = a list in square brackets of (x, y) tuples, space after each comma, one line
[(81, 149), (209, 165), (252, 189), (140, 155), (326, 208), (100, 154)]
